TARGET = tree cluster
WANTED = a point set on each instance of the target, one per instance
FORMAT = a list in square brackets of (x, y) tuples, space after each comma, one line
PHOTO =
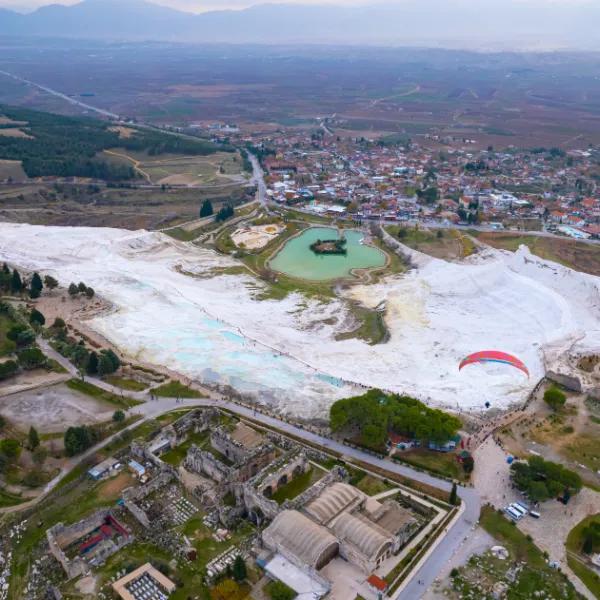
[(226, 212), (79, 439), (76, 289), (541, 479), (374, 415)]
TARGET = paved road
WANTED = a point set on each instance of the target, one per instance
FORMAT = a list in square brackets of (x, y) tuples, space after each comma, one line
[(158, 406), (258, 178)]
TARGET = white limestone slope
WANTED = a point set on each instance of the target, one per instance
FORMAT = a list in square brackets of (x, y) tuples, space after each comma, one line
[(280, 351)]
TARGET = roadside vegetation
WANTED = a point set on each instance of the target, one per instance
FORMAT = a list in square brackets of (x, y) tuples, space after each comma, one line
[(370, 419), (584, 541), (176, 389)]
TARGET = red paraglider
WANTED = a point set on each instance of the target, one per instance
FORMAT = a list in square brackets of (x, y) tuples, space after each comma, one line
[(494, 356)]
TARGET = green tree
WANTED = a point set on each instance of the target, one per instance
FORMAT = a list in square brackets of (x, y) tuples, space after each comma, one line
[(92, 364), (468, 464), (50, 282), (555, 398), (11, 449), (36, 286), (81, 287), (89, 292), (105, 364), (33, 439), (79, 439), (37, 318), (16, 285), (58, 323), (453, 495), (206, 209), (588, 544), (73, 290), (239, 569), (277, 590), (118, 416), (8, 368), (31, 358), (21, 334)]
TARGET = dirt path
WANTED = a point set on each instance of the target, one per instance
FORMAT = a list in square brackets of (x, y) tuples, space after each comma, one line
[(136, 163)]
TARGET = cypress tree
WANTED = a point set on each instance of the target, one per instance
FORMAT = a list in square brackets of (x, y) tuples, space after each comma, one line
[(36, 286), (92, 364), (16, 285), (33, 439), (453, 495)]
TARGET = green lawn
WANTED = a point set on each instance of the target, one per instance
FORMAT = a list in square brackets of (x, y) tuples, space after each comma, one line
[(372, 485), (91, 390), (297, 485), (576, 559), (126, 384), (176, 389), (176, 455), (443, 463)]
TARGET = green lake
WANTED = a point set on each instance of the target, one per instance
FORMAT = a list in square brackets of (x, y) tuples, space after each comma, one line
[(296, 259)]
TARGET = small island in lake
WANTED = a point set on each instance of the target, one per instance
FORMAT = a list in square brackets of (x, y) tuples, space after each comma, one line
[(329, 246)]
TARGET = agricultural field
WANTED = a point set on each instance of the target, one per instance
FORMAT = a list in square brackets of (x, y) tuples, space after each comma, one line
[(447, 244), (11, 170), (219, 169), (580, 256)]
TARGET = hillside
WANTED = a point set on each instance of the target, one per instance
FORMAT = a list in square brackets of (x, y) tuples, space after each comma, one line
[(54, 145)]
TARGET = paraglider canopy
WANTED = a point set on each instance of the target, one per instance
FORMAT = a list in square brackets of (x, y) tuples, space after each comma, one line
[(494, 356)]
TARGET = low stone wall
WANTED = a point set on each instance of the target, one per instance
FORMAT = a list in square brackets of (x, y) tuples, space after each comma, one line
[(569, 382)]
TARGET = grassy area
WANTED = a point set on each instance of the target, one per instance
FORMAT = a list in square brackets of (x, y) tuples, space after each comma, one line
[(175, 456), (8, 499), (126, 384), (297, 485), (577, 561), (176, 389), (571, 253), (91, 390), (478, 577), (371, 329), (6, 346), (372, 485), (441, 243), (443, 463)]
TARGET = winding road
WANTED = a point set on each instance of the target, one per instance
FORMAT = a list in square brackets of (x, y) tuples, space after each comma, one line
[(419, 580)]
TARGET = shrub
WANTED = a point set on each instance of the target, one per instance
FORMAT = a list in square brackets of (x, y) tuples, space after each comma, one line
[(554, 398), (8, 369), (31, 358)]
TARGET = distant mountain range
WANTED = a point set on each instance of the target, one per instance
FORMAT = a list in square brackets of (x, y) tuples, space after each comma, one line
[(483, 24)]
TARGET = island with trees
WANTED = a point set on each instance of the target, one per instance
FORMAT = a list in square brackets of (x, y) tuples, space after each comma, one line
[(330, 246)]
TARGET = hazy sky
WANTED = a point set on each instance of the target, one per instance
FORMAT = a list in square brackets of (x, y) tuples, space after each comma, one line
[(204, 5), (187, 5)]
